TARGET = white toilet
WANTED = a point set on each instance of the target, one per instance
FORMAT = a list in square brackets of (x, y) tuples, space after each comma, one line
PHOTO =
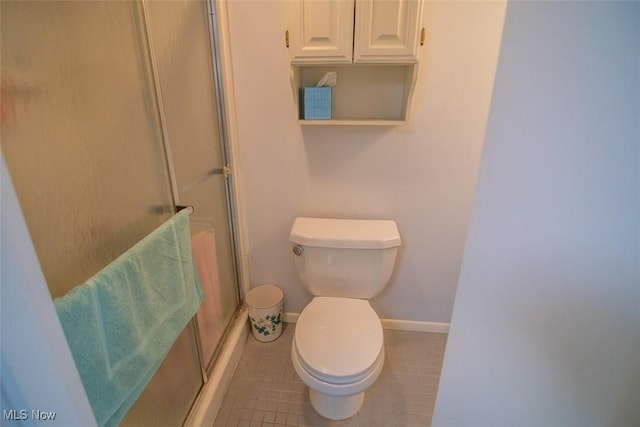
[(338, 348)]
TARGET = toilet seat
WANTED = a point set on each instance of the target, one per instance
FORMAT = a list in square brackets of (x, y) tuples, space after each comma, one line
[(339, 340)]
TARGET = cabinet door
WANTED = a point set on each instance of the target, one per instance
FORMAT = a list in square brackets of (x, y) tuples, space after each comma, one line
[(322, 31), (387, 31)]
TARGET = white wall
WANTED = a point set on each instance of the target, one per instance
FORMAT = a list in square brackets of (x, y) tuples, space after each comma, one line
[(546, 323), (422, 175), (38, 372)]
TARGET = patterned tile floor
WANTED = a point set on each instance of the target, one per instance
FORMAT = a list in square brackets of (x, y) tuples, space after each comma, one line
[(266, 391)]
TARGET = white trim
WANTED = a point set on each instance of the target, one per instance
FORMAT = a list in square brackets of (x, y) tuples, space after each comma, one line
[(415, 325), (209, 399), (291, 317), (396, 324), (229, 99)]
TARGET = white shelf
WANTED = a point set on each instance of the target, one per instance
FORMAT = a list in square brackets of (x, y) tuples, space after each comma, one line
[(369, 94), (346, 122)]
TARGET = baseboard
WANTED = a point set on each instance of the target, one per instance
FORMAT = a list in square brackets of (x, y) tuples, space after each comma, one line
[(209, 400), (290, 317), (400, 325), (415, 325)]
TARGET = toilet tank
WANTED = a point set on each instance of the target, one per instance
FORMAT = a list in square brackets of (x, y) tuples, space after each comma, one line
[(348, 258)]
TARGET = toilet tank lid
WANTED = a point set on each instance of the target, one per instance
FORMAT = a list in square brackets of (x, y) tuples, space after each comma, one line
[(345, 233)]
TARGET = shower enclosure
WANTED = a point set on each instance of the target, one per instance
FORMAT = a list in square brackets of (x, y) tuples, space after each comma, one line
[(110, 117)]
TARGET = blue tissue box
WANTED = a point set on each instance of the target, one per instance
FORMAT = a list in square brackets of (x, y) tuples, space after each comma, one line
[(315, 103)]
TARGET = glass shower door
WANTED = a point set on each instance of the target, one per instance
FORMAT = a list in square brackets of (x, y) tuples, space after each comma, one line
[(80, 132), (182, 49), (82, 138)]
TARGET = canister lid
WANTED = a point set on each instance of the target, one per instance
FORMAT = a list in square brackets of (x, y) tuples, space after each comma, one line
[(345, 233)]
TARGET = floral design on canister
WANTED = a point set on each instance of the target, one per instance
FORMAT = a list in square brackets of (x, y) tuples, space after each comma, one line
[(267, 325)]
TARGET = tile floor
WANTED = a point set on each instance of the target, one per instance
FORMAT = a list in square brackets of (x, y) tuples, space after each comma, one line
[(266, 391)]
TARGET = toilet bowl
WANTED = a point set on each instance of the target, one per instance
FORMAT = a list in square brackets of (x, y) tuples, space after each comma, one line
[(338, 352), (338, 346)]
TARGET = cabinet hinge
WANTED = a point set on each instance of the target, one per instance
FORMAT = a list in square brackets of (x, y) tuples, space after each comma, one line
[(286, 38), (423, 36)]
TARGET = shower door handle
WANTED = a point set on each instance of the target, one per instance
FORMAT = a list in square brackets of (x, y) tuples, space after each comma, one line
[(224, 171)]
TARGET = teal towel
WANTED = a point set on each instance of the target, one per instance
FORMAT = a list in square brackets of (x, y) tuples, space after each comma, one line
[(121, 323)]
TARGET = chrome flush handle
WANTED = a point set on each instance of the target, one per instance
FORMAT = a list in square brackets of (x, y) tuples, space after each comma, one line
[(298, 250)]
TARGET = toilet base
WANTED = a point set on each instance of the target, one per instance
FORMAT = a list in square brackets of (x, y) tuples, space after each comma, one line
[(336, 407)]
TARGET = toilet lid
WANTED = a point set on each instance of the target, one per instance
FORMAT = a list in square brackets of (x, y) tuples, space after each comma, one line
[(338, 337)]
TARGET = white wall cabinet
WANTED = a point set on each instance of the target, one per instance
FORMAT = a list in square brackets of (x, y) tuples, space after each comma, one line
[(373, 46), (321, 31), (387, 31)]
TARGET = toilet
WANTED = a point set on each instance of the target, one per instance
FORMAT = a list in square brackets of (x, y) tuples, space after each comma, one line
[(338, 348)]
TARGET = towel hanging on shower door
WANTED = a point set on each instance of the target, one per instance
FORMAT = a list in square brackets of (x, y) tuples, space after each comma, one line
[(121, 323)]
